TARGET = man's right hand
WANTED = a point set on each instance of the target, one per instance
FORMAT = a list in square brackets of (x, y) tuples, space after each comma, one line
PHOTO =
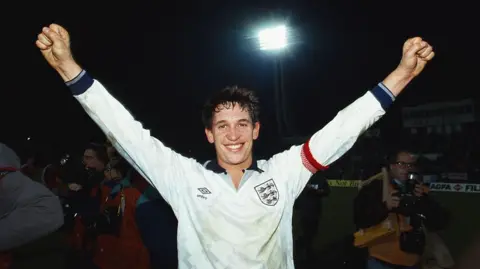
[(393, 201), (54, 43)]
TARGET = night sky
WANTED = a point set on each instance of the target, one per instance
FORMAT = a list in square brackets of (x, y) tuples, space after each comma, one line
[(163, 59)]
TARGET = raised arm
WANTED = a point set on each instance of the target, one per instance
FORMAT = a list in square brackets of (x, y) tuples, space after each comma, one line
[(339, 135), (162, 167)]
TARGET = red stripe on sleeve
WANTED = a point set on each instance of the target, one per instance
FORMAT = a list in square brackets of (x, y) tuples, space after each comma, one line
[(309, 161), (8, 169)]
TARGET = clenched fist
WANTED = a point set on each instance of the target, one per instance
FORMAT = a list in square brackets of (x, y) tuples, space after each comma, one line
[(416, 54), (54, 43)]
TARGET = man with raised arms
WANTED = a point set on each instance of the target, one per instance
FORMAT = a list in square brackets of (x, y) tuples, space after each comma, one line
[(235, 211)]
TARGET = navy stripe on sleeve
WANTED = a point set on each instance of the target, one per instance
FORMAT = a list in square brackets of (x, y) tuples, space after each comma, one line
[(383, 95), (80, 83)]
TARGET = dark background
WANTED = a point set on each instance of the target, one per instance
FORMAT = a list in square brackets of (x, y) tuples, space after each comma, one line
[(163, 59)]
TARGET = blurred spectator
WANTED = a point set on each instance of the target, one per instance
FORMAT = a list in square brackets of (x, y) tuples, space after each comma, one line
[(31, 216)]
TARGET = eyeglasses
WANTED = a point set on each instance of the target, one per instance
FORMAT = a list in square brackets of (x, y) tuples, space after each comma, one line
[(406, 165)]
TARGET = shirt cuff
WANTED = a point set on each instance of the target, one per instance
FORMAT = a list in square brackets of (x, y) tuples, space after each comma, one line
[(383, 95), (80, 83)]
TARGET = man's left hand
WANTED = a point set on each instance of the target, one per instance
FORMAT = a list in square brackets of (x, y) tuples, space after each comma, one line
[(416, 54)]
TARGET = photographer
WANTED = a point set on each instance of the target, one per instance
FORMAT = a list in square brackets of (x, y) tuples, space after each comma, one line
[(405, 207)]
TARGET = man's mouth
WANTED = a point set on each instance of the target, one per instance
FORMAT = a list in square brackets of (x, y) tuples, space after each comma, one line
[(234, 147)]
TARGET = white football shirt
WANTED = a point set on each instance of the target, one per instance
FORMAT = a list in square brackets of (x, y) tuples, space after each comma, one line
[(219, 226)]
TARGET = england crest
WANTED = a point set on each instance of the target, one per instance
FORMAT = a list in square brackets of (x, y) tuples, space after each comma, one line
[(267, 192)]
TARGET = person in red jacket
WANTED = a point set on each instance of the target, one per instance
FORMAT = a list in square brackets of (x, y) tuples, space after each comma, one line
[(118, 243)]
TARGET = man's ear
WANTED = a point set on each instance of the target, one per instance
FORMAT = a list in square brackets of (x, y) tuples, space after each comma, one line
[(209, 134), (256, 130)]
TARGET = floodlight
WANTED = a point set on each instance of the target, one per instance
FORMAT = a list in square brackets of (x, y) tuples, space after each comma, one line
[(274, 38)]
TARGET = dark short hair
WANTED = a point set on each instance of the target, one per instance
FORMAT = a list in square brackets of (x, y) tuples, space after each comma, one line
[(393, 155), (229, 97)]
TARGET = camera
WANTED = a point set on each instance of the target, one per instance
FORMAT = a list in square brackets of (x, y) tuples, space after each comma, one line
[(415, 177), (406, 193), (412, 241)]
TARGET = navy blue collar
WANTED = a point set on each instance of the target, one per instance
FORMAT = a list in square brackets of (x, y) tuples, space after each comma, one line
[(215, 167)]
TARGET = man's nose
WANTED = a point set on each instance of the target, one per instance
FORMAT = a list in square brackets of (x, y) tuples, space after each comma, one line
[(232, 134)]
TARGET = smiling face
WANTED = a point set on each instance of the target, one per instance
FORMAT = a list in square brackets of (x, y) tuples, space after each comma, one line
[(233, 133)]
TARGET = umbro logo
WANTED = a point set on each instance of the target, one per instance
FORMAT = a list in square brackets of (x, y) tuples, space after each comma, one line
[(204, 191)]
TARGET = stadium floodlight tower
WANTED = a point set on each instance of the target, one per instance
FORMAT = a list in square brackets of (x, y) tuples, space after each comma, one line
[(275, 40)]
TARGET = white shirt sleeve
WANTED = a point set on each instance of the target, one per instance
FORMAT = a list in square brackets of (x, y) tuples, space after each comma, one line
[(332, 141), (165, 169)]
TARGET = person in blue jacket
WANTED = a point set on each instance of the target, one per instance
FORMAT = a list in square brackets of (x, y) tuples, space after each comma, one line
[(158, 227)]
